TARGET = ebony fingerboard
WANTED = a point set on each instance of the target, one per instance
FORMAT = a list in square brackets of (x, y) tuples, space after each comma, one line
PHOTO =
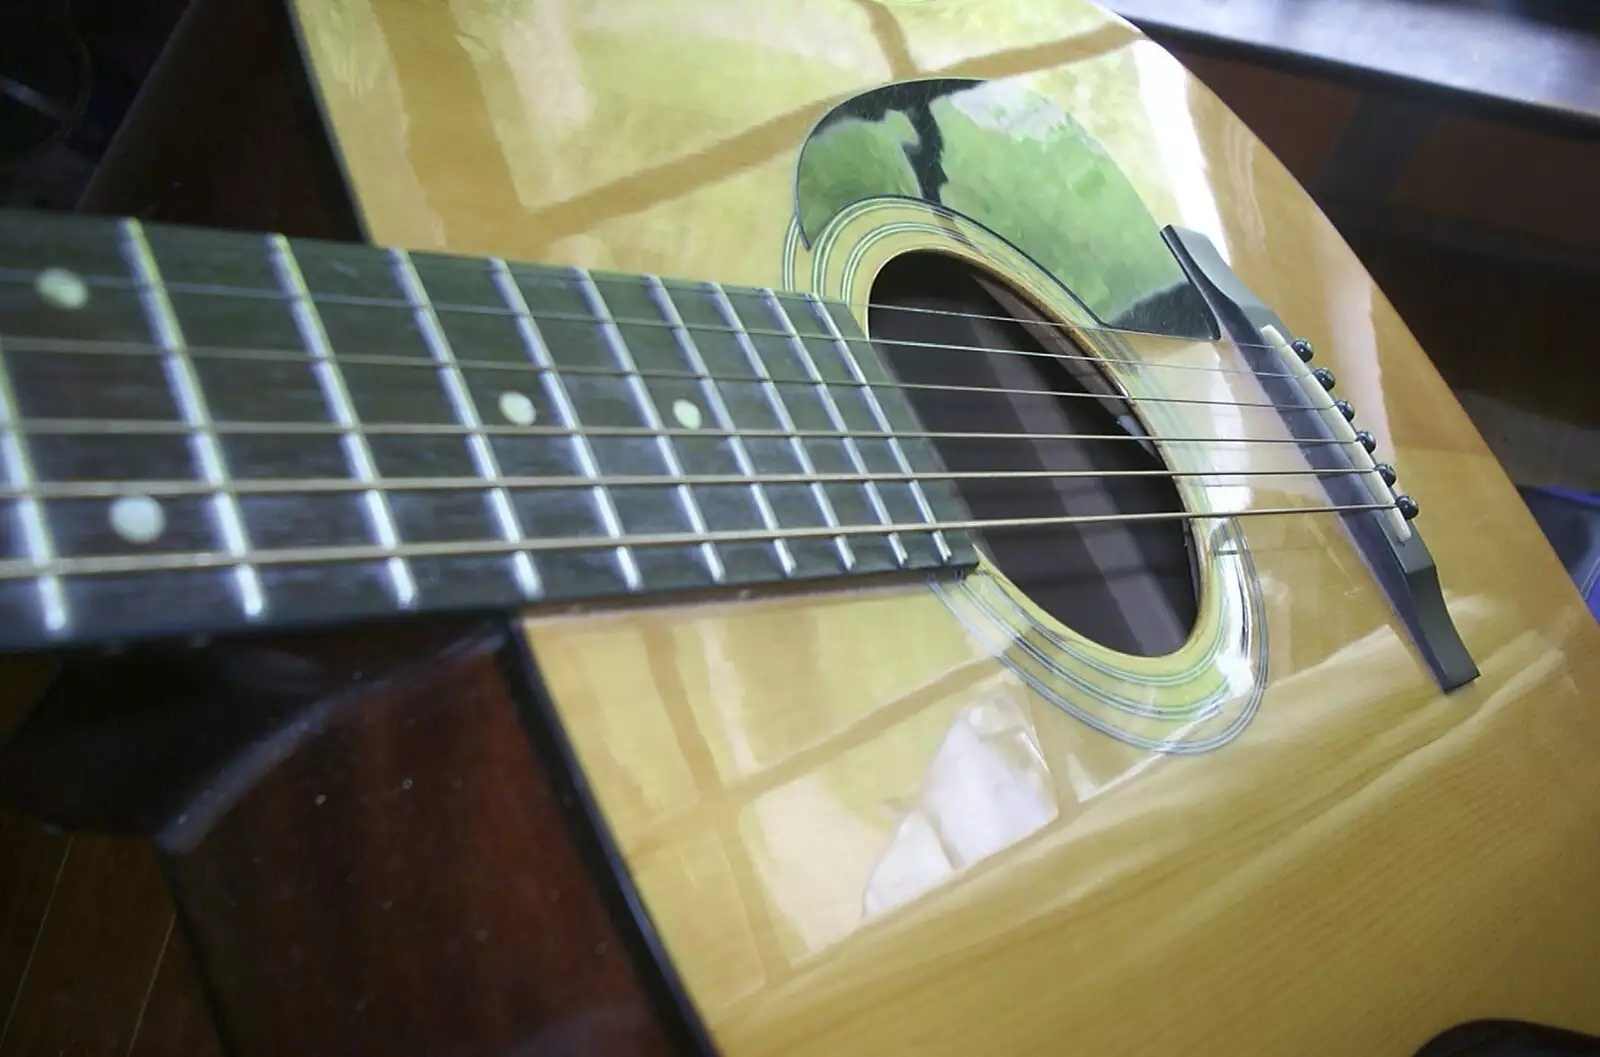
[(205, 431)]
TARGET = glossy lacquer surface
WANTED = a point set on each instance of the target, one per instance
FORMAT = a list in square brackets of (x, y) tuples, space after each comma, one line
[(860, 822)]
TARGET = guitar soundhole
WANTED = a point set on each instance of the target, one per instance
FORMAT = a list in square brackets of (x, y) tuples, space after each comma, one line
[(1128, 585)]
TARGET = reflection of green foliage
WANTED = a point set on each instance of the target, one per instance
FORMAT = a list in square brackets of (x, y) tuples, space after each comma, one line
[(1062, 200), (1031, 175), (851, 160)]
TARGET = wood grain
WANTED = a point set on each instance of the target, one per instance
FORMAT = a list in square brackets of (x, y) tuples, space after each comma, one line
[(32, 858), (31, 855), (88, 962), (861, 826), (403, 881), (176, 1021), (95, 955), (793, 782)]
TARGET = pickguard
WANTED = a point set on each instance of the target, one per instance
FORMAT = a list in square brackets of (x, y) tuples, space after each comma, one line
[(945, 164)]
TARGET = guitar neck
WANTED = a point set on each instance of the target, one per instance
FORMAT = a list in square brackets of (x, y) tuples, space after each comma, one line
[(205, 431)]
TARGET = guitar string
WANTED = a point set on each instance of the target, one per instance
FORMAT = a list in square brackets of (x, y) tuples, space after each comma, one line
[(143, 349), (1070, 329), (18, 569), (151, 427), (91, 489), (355, 300), (145, 427), (139, 427), (526, 274)]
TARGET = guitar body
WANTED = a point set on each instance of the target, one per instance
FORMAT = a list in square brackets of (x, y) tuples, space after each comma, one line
[(858, 822), (913, 817)]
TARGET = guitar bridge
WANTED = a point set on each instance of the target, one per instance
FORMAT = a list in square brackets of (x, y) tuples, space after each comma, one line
[(1388, 539)]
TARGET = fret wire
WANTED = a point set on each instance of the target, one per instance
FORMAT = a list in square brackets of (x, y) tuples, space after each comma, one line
[(282, 486), (466, 412), (879, 416), (184, 384), (647, 408), (719, 297), (382, 302), (30, 511), (101, 565), (534, 344), (358, 454), (383, 360), (137, 427), (852, 451), (719, 408)]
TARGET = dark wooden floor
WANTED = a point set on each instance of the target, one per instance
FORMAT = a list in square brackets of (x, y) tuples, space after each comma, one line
[(91, 962), (90, 959)]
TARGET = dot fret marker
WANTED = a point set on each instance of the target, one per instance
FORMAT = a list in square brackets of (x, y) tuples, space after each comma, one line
[(137, 518), (517, 409), (61, 289), (687, 414)]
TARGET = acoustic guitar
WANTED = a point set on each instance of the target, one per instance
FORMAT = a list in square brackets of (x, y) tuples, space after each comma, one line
[(831, 527)]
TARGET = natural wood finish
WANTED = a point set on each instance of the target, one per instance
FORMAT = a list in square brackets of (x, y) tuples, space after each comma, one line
[(403, 879), (774, 769), (857, 832)]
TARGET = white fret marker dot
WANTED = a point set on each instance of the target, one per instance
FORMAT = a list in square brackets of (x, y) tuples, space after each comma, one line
[(138, 518), (687, 414), (61, 289), (517, 409)]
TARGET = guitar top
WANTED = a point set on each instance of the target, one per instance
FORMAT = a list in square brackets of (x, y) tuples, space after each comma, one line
[(1275, 741), (915, 821)]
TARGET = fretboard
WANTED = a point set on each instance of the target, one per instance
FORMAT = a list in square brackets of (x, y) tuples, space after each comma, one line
[(203, 432)]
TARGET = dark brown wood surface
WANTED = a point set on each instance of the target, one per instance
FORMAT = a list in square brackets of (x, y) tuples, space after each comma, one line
[(376, 864), (90, 963), (225, 133), (404, 880), (86, 930), (104, 896), (373, 859)]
